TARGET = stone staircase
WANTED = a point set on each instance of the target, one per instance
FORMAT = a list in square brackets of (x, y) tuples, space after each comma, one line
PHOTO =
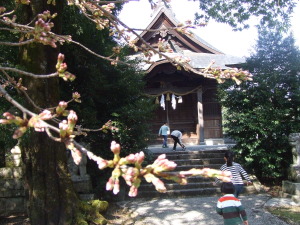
[(196, 186)]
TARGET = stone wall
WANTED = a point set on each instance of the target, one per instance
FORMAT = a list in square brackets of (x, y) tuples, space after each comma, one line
[(12, 193)]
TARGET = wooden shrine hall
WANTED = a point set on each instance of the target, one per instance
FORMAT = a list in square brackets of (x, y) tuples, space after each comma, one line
[(187, 101)]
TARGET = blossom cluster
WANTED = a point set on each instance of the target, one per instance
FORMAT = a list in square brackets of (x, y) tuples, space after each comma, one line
[(238, 75), (43, 27), (61, 68), (164, 46), (131, 170), (67, 126)]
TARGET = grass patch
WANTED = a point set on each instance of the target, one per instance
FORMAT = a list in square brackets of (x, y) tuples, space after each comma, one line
[(290, 215)]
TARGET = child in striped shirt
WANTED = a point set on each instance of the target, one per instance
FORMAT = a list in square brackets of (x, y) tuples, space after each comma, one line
[(231, 207), (237, 172)]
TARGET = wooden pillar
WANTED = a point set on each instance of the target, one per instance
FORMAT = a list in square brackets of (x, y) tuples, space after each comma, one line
[(200, 127)]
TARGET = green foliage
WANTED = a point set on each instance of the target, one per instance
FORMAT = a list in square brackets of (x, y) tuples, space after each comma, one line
[(261, 114), (90, 212), (7, 58), (107, 92), (236, 13)]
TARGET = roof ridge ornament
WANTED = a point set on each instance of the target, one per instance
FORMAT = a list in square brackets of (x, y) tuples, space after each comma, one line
[(159, 4)]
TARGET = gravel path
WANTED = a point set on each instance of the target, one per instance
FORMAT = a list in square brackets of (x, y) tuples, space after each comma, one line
[(200, 210)]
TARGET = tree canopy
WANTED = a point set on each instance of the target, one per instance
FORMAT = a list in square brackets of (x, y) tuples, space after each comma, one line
[(261, 114), (237, 13)]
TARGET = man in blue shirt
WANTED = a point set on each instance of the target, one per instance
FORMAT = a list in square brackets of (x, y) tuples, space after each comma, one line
[(164, 131)]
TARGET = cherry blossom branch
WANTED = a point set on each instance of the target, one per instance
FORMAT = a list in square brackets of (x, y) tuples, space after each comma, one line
[(129, 167), (18, 43), (22, 72), (99, 56)]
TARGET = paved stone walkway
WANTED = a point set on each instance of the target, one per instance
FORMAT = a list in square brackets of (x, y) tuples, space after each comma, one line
[(201, 210)]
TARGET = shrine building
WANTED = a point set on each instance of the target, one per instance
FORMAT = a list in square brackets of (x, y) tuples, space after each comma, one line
[(187, 101)]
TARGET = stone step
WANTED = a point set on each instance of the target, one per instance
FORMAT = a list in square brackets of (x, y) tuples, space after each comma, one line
[(206, 191), (192, 139), (179, 193), (12, 193), (196, 186), (202, 162), (11, 184), (188, 167), (195, 179), (204, 153), (12, 205), (192, 156), (176, 186), (14, 172)]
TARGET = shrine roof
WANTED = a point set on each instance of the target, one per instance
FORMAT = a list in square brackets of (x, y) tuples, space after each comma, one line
[(198, 51), (171, 17), (197, 60)]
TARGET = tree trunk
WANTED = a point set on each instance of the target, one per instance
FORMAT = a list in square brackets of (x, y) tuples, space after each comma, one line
[(51, 196)]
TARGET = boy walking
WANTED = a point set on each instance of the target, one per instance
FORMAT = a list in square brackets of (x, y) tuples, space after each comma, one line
[(231, 207), (164, 131)]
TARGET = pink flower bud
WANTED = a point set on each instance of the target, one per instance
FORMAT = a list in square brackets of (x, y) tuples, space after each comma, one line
[(115, 148), (63, 125), (9, 116), (72, 117), (76, 95), (2, 121), (63, 104), (133, 191), (45, 115), (19, 132), (131, 158), (159, 185), (102, 164), (61, 57), (110, 184), (116, 188), (76, 155), (140, 157)]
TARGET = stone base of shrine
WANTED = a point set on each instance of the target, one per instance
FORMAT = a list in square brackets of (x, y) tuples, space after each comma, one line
[(214, 141), (83, 186), (291, 190)]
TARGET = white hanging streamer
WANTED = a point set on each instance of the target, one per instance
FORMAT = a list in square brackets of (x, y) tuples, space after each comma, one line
[(162, 102), (173, 102), (180, 99)]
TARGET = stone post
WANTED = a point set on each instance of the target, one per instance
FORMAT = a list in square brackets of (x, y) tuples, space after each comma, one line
[(294, 173), (81, 180), (16, 155), (291, 187)]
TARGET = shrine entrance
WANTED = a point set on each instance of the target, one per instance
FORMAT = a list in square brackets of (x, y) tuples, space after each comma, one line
[(185, 117), (186, 100)]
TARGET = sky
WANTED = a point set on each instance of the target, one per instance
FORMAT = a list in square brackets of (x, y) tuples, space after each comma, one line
[(137, 14)]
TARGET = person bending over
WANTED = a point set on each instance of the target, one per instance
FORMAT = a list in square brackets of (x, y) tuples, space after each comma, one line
[(176, 136)]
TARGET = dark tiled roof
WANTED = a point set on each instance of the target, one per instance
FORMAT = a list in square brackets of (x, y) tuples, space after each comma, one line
[(197, 60)]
